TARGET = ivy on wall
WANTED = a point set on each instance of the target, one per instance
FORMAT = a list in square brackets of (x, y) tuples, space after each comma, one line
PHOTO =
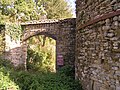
[(14, 31)]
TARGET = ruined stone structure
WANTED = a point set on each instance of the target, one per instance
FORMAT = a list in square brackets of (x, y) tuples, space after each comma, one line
[(63, 31), (98, 44), (92, 40)]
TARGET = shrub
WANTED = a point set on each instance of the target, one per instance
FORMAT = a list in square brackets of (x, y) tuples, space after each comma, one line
[(38, 61), (21, 80), (6, 82), (68, 71)]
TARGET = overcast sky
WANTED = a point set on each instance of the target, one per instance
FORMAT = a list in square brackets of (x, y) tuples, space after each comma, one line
[(72, 3)]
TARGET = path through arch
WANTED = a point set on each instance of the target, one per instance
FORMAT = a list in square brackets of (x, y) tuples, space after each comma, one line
[(63, 31)]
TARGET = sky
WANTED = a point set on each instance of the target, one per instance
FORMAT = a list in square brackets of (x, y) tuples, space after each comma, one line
[(72, 3)]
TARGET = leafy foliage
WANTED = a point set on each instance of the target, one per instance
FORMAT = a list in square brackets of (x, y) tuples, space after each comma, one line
[(21, 80), (14, 31), (57, 9), (25, 10), (19, 10), (68, 71), (39, 56), (5, 81)]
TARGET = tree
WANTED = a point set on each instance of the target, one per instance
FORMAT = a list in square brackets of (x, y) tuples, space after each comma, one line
[(56, 9), (20, 10), (6, 10), (26, 10)]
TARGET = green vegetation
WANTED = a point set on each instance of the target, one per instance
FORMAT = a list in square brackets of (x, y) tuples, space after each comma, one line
[(21, 80), (41, 55), (13, 30), (17, 11), (5, 81), (25, 10), (57, 9)]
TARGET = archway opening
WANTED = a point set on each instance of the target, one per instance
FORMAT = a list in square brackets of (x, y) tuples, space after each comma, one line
[(41, 54)]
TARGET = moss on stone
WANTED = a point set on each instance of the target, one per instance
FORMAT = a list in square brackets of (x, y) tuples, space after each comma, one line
[(116, 50), (106, 67), (118, 32)]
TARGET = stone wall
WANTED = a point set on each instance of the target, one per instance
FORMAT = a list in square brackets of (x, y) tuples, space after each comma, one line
[(2, 37), (66, 41), (63, 31), (90, 9), (98, 45), (12, 50)]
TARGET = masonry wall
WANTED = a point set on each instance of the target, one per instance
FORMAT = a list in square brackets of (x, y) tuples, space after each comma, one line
[(90, 9), (98, 45), (2, 41), (63, 31), (66, 41)]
